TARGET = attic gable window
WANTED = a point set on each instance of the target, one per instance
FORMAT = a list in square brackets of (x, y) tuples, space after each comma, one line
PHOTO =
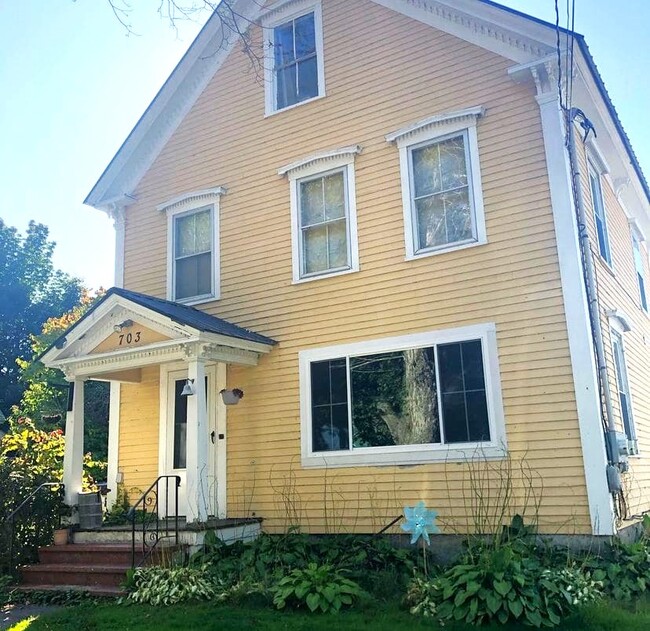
[(193, 246), (294, 59)]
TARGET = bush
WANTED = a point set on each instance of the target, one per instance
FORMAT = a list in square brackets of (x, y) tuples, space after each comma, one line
[(168, 586), (503, 585), (320, 587)]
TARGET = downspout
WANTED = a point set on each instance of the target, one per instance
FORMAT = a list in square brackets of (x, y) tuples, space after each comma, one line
[(590, 281)]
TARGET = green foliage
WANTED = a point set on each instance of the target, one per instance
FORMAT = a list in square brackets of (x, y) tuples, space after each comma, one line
[(169, 586), (320, 587), (422, 597), (32, 292), (30, 457), (369, 560), (503, 586)]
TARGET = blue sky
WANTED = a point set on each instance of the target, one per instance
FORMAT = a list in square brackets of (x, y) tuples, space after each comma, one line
[(73, 85)]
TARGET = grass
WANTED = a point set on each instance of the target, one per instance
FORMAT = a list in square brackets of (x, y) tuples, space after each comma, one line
[(113, 617)]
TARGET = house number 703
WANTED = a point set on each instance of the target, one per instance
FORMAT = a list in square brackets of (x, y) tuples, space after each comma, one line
[(129, 338)]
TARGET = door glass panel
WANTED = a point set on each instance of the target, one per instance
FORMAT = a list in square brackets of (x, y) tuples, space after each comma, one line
[(180, 423)]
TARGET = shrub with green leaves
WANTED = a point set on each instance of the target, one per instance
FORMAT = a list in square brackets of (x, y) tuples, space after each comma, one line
[(319, 587), (502, 585), (168, 586)]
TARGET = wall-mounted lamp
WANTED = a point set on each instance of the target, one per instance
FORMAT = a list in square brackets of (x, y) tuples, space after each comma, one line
[(188, 388), (122, 325), (232, 397)]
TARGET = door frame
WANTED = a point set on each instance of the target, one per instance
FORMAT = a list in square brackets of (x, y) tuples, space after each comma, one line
[(217, 465)]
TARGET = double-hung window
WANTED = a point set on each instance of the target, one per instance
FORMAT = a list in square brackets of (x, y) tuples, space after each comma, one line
[(323, 212), (294, 61), (441, 188), (623, 386), (640, 270), (193, 246), (417, 398), (600, 216)]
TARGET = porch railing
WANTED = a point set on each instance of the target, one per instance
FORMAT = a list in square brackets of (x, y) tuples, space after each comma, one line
[(35, 529), (154, 517)]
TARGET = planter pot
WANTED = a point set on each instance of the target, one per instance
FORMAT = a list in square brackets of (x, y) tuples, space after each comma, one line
[(61, 536), (231, 397)]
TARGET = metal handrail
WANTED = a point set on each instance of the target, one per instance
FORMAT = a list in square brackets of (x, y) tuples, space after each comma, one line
[(29, 497), (10, 518), (152, 532)]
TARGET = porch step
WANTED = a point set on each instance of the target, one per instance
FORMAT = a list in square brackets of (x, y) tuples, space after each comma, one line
[(98, 568), (100, 554), (95, 590), (74, 574)]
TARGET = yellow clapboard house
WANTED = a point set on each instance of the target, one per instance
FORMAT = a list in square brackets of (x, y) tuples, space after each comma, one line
[(368, 226)]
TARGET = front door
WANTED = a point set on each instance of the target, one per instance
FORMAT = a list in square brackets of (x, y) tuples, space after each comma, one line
[(174, 446)]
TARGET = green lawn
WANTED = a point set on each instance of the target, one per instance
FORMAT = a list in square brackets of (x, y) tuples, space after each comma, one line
[(112, 617)]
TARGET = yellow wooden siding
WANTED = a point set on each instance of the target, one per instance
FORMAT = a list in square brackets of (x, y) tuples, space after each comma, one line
[(618, 289), (138, 440), (390, 73)]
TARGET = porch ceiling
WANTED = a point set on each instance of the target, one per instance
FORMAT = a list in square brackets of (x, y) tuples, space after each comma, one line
[(126, 331)]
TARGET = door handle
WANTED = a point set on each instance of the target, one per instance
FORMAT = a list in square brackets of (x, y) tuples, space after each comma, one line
[(212, 435)]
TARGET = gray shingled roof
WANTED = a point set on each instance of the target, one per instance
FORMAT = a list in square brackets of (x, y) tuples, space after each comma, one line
[(182, 314)]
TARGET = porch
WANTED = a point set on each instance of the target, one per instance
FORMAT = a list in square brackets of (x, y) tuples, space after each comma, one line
[(128, 336)]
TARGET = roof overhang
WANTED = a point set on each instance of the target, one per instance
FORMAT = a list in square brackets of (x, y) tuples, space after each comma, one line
[(118, 337)]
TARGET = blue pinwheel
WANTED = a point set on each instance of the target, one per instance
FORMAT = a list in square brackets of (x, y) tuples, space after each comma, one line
[(420, 522)]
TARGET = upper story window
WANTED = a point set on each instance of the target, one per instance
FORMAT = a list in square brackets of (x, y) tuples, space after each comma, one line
[(323, 214), (416, 398), (294, 62), (441, 187), (193, 246), (600, 216), (640, 270), (625, 400)]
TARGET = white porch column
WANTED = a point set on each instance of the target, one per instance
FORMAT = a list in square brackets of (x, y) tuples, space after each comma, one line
[(73, 458), (197, 445)]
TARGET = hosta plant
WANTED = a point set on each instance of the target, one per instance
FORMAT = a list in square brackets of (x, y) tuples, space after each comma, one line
[(168, 586), (318, 587)]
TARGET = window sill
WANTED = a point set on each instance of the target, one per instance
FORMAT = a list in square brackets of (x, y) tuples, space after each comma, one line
[(443, 453), (268, 114), (191, 302), (309, 279), (452, 248)]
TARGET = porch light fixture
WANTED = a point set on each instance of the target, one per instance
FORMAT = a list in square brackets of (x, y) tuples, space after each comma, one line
[(122, 325), (231, 397), (188, 388)]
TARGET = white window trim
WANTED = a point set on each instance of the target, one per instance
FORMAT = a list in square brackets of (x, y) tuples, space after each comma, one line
[(187, 204), (428, 131), (637, 244), (620, 327), (275, 16), (315, 165), (408, 454), (593, 169)]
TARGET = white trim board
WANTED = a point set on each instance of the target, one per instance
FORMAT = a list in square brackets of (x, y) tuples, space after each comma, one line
[(585, 375)]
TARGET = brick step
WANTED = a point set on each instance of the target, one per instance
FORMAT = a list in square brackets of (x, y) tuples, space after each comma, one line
[(74, 574), (95, 590), (101, 554)]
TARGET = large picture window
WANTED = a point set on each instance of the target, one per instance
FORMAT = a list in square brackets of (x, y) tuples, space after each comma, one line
[(419, 401)]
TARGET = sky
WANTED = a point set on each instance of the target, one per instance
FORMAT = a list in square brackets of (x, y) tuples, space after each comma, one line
[(73, 83)]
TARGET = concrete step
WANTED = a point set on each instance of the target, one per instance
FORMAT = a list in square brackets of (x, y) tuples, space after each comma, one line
[(102, 554), (95, 590), (74, 574)]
